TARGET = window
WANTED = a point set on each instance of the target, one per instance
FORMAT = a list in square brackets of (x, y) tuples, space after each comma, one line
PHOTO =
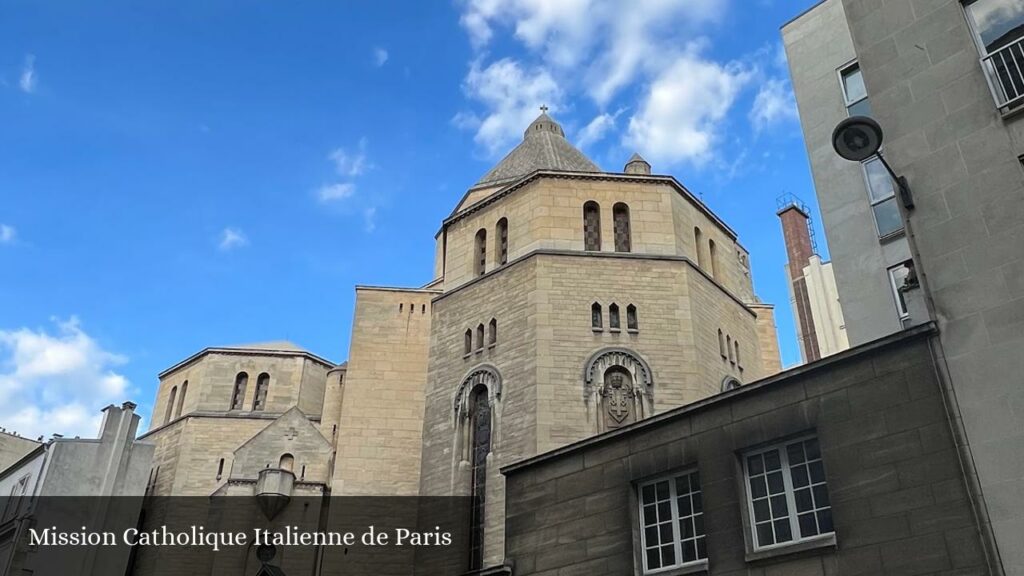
[(492, 337), (998, 26), (787, 497), (721, 344), (613, 317), (480, 337), (855, 94), (238, 394), (502, 241), (698, 241), (902, 278), (287, 462), (592, 226), (220, 469), (672, 522), (480, 252), (736, 345), (18, 490), (170, 405), (480, 421), (595, 316), (713, 256), (181, 398), (729, 350), (631, 320), (259, 401), (620, 215), (882, 194), (468, 346)]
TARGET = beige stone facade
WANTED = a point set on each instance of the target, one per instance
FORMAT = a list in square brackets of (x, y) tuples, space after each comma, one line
[(528, 338)]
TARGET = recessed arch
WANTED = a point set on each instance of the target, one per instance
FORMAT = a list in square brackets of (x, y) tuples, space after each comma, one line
[(730, 383), (592, 226), (607, 357)]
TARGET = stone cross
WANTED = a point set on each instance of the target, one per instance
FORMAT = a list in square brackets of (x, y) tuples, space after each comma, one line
[(543, 108), (291, 433)]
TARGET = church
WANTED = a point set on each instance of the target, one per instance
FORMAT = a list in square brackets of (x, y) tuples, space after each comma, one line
[(566, 301)]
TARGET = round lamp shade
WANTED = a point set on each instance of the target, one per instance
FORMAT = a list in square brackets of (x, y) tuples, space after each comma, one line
[(857, 138)]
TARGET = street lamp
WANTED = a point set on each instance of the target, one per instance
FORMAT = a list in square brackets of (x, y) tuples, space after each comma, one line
[(858, 138)]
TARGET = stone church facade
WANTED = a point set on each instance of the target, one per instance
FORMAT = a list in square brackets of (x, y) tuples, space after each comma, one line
[(566, 302)]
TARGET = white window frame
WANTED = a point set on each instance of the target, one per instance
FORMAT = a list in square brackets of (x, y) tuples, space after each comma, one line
[(677, 535), (841, 73), (990, 76), (789, 491), (872, 202), (903, 312)]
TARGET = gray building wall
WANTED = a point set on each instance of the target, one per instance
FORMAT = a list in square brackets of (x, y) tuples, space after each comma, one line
[(943, 131), (900, 504), (818, 45)]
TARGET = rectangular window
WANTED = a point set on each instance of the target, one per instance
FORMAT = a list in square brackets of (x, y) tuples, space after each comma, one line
[(672, 522), (902, 277), (882, 194), (787, 497), (998, 28), (855, 93)]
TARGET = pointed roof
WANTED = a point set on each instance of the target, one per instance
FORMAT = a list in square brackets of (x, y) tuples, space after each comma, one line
[(544, 147), (636, 157)]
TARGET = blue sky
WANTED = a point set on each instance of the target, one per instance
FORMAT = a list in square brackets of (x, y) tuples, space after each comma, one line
[(200, 173)]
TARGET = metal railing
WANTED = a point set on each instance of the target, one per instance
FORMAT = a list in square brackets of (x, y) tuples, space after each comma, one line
[(1005, 71)]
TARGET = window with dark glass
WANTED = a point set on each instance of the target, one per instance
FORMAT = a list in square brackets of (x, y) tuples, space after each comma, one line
[(468, 345), (672, 522), (238, 394), (595, 315), (502, 241), (631, 319), (492, 331), (480, 252), (480, 337), (480, 422), (613, 317), (592, 226), (259, 401), (882, 195), (998, 29), (620, 215), (787, 496)]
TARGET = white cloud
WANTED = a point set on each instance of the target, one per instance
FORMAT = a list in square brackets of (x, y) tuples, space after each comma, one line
[(350, 163), (336, 191), (370, 218), (512, 94), (232, 238), (7, 234), (28, 79), (774, 103), (380, 56), (597, 129), (57, 382), (680, 116)]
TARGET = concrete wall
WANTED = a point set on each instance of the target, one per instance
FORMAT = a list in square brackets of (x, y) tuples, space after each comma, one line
[(818, 45), (899, 500), (823, 296), (13, 448)]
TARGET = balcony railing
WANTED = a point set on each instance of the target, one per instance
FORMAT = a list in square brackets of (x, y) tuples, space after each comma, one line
[(1005, 71)]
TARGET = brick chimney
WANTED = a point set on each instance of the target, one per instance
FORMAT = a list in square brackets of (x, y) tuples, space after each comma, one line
[(799, 249)]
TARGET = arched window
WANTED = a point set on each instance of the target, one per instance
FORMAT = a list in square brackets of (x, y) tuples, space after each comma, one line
[(613, 316), (238, 394), (595, 315), (287, 462), (501, 242), (736, 345), (468, 347), (714, 259), (698, 241), (631, 319), (480, 252), (480, 337), (592, 226), (730, 383), (170, 404), (492, 337), (728, 347), (259, 401), (721, 343), (220, 469), (181, 399), (620, 214), (480, 447)]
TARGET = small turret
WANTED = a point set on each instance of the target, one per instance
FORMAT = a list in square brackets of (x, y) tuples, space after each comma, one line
[(637, 165)]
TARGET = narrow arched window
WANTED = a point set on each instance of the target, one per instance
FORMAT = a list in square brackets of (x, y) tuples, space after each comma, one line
[(592, 226), (698, 241), (631, 319), (287, 462), (238, 394), (480, 252), (220, 469), (595, 315), (181, 399), (728, 347), (713, 256), (620, 213), (501, 242), (492, 337), (259, 401), (480, 425), (736, 345), (721, 343), (480, 337), (170, 404), (613, 316), (468, 346)]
